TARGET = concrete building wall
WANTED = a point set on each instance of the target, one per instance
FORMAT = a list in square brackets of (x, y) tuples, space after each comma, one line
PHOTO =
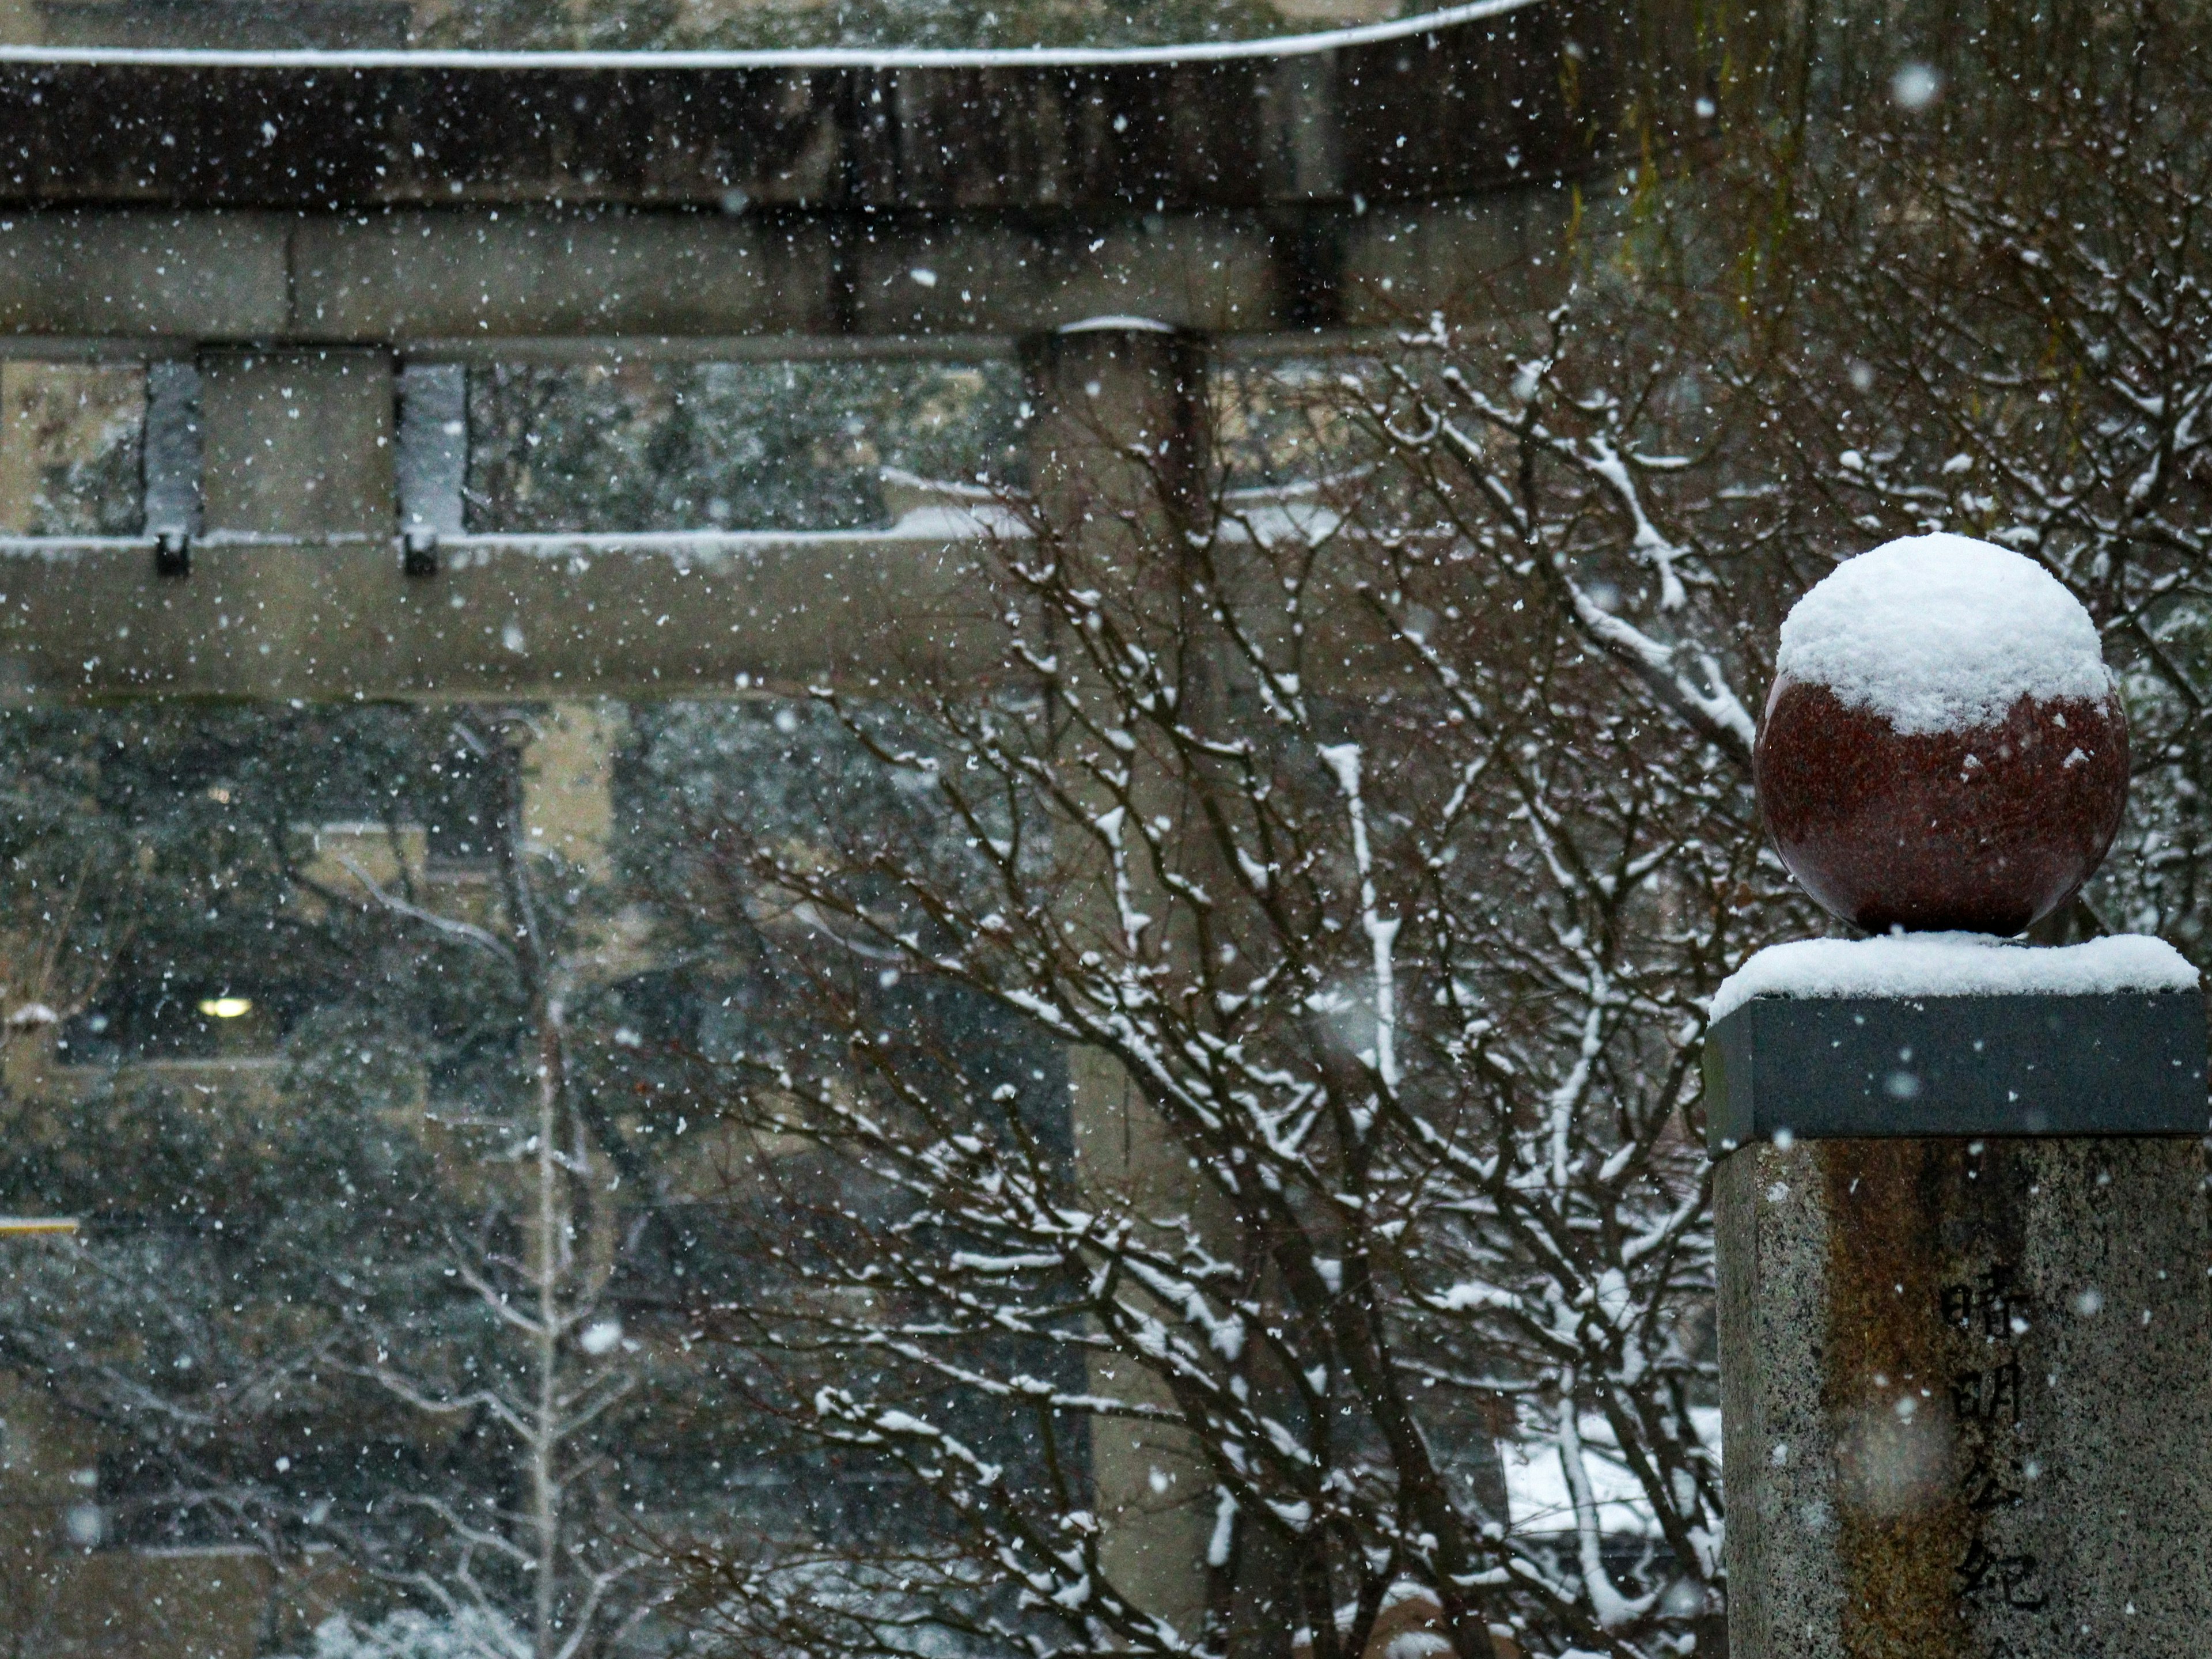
[(66, 1590)]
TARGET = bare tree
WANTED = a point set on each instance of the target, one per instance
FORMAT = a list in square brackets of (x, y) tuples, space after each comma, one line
[(1370, 855), (1386, 846), (533, 1566)]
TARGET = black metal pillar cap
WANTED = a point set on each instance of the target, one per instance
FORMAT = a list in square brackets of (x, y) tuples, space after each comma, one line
[(2112, 1063)]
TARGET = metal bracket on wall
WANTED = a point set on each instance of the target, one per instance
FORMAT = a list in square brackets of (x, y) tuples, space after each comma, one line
[(171, 459), (432, 468)]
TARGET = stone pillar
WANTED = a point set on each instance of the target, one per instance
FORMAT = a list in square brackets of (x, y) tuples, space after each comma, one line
[(1965, 1254), (298, 443), (1153, 1494), (1098, 394), (1965, 1327)]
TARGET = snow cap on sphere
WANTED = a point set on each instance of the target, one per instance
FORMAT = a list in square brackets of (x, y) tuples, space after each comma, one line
[(1942, 633)]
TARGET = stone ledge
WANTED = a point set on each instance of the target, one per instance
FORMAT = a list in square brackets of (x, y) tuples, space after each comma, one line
[(2118, 1063)]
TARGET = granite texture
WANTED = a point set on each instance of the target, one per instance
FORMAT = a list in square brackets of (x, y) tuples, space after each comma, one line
[(1967, 1388), (1985, 830)]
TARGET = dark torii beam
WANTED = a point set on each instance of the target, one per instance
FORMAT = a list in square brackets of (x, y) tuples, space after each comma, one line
[(164, 200), (1431, 107)]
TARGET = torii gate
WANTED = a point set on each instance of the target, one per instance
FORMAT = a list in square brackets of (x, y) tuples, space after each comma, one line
[(308, 249)]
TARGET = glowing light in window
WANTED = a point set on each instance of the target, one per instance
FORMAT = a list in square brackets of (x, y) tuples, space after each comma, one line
[(226, 1007)]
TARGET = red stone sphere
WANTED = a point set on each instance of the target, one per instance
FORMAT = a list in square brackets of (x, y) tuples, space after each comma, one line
[(1986, 831)]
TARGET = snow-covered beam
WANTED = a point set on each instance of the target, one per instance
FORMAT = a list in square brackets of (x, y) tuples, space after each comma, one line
[(154, 201), (1460, 101)]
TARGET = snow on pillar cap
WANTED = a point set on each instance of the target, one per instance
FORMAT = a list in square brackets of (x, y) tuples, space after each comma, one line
[(1920, 966), (1942, 633)]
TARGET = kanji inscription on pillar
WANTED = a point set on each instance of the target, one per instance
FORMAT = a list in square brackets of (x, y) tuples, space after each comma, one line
[(1978, 1426)]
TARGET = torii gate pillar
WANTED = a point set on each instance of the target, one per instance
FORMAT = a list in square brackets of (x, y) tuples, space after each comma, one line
[(1102, 394)]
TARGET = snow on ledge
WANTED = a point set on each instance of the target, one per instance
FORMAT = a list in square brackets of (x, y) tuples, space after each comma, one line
[(801, 58), (1117, 323), (1954, 965)]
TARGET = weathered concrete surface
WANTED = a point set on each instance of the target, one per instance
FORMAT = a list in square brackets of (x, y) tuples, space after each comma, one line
[(547, 617), (339, 618), (402, 201), (1967, 1395), (460, 275), (1101, 395), (298, 443)]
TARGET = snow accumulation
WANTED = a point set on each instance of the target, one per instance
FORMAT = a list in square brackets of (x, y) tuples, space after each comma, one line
[(1942, 634), (955, 521), (861, 57), (1116, 322), (1539, 1500), (1954, 965)]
